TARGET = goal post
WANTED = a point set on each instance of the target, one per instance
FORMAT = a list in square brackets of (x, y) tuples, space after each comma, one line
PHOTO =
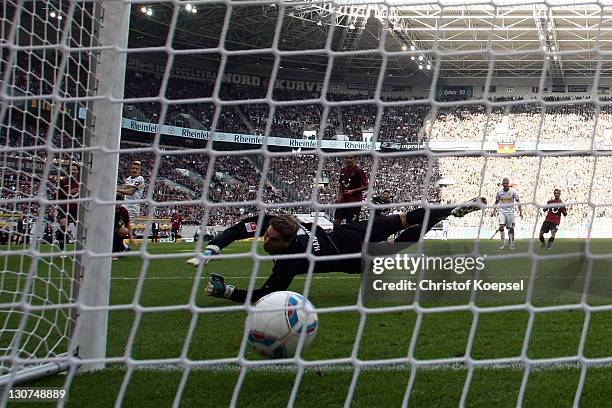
[(67, 77), (90, 336)]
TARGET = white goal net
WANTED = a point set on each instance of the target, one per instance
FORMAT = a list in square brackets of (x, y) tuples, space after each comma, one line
[(230, 110), (45, 62)]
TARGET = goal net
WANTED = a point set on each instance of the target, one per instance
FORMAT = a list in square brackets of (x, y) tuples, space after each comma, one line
[(45, 63), (235, 109)]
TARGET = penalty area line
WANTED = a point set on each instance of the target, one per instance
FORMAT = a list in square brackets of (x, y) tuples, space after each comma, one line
[(232, 367)]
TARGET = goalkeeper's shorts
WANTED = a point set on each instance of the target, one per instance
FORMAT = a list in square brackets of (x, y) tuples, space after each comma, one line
[(349, 237)]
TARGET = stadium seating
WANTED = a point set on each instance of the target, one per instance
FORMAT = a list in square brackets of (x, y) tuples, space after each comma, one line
[(236, 179)]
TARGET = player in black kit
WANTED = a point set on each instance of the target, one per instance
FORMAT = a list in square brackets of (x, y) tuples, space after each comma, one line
[(284, 234)]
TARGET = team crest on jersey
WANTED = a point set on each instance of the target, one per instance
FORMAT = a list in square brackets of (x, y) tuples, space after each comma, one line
[(250, 226)]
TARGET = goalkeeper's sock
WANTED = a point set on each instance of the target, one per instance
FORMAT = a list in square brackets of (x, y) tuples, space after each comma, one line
[(417, 216), (551, 240), (542, 239), (502, 234)]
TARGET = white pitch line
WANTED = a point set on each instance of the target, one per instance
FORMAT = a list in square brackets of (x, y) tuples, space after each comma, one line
[(232, 367)]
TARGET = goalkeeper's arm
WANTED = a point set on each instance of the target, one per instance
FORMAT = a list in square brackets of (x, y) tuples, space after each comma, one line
[(279, 280), (245, 228)]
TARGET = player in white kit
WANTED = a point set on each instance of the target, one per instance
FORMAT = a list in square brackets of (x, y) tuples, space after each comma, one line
[(506, 199), (133, 190), (445, 229)]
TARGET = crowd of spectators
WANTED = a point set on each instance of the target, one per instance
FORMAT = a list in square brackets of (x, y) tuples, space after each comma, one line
[(181, 176), (572, 118), (233, 182), (404, 176), (585, 183), (399, 123), (575, 118), (464, 123)]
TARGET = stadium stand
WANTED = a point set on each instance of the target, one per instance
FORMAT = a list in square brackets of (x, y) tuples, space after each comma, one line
[(236, 179)]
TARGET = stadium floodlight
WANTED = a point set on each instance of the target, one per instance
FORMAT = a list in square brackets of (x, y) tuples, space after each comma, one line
[(404, 48), (412, 48), (52, 14), (149, 11), (143, 9)]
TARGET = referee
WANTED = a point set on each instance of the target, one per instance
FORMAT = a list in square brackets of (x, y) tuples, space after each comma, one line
[(284, 235)]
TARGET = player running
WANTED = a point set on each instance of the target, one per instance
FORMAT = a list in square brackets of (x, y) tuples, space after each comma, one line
[(554, 208), (284, 234), (506, 199)]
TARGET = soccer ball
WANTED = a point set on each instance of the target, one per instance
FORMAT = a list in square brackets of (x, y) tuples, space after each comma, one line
[(276, 333)]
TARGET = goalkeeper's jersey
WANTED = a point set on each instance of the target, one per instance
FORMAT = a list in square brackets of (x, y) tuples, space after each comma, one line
[(345, 239), (323, 243)]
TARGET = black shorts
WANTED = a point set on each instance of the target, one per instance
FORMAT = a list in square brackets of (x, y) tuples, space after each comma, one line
[(350, 214), (118, 245), (548, 226)]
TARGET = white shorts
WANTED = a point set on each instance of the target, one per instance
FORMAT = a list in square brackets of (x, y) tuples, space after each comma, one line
[(506, 219)]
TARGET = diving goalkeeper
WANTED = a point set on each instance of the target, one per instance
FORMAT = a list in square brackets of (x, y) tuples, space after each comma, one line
[(285, 235)]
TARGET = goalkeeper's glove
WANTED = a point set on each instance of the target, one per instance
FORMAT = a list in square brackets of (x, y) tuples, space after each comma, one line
[(217, 287), (210, 250)]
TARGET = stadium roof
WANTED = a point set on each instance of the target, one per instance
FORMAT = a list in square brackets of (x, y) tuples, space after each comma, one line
[(505, 39)]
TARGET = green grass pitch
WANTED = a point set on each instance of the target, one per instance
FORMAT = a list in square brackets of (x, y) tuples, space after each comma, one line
[(162, 334)]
